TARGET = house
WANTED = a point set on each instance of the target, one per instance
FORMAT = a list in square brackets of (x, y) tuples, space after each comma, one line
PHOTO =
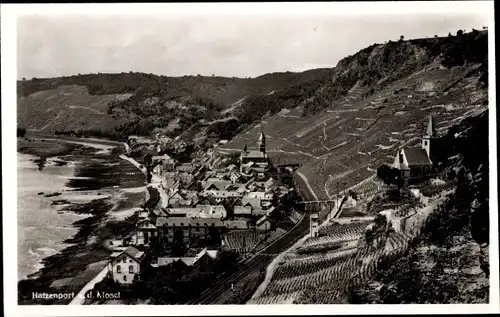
[(242, 211), (185, 167), (155, 214), (207, 201), (235, 177), (188, 261), (188, 227), (314, 224), (138, 140), (168, 180), (210, 211), (260, 195), (259, 158), (192, 228), (263, 224), (175, 198), (216, 184), (145, 230), (236, 224), (416, 162), (186, 178), (125, 265), (158, 169), (222, 195)]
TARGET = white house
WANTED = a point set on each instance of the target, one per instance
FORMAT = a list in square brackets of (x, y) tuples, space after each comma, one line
[(125, 265)]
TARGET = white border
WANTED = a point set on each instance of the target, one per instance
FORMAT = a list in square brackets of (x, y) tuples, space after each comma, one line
[(8, 56)]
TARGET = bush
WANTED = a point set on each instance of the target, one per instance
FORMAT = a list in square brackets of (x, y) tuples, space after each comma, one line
[(21, 132), (390, 175)]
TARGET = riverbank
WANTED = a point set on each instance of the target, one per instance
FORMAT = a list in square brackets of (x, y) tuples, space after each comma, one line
[(102, 185)]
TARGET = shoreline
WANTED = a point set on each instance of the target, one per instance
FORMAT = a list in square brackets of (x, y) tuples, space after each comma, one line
[(85, 252)]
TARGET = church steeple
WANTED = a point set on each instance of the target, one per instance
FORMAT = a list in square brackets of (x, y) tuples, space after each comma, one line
[(430, 134), (262, 142), (431, 130)]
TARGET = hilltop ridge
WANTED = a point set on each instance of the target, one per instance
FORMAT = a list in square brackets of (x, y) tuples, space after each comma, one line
[(339, 123)]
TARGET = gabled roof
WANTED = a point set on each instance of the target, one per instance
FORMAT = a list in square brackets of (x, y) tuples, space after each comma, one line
[(145, 224), (133, 253), (237, 202), (241, 210), (218, 183), (254, 202), (159, 212), (261, 220), (207, 201), (416, 156)]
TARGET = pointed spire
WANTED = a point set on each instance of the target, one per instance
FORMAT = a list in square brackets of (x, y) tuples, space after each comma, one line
[(262, 136), (262, 141), (431, 130)]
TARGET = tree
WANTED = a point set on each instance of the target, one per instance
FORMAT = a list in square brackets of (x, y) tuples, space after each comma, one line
[(214, 234), (178, 245), (460, 32), (21, 132), (402, 37), (389, 175)]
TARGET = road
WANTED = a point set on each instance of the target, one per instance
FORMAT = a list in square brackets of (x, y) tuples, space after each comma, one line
[(307, 184), (79, 299), (155, 181)]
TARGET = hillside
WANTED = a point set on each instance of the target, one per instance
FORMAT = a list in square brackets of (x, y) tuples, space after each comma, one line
[(436, 251), (339, 123), (447, 261), (117, 105), (376, 101)]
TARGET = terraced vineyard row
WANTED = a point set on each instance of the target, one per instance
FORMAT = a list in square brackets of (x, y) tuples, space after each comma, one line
[(276, 299), (328, 276), (367, 189), (328, 239), (336, 273), (328, 294), (343, 231), (242, 241)]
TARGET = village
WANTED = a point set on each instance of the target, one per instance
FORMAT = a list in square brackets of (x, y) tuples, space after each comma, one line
[(222, 202), (212, 202)]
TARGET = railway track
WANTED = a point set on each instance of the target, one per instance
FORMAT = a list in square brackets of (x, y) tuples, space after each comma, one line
[(257, 263)]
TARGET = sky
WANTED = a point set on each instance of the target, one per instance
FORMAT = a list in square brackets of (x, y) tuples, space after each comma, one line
[(223, 45)]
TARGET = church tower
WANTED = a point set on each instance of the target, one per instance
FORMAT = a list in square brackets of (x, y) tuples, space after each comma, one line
[(428, 137), (262, 142)]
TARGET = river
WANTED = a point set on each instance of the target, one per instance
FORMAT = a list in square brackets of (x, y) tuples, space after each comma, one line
[(41, 229)]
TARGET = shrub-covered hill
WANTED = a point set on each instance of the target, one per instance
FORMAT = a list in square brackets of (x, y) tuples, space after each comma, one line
[(376, 101), (137, 103)]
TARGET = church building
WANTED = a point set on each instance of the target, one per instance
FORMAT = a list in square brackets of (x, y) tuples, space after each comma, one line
[(255, 161), (416, 162)]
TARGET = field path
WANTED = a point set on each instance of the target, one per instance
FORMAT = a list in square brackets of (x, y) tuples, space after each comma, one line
[(308, 185), (80, 297)]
